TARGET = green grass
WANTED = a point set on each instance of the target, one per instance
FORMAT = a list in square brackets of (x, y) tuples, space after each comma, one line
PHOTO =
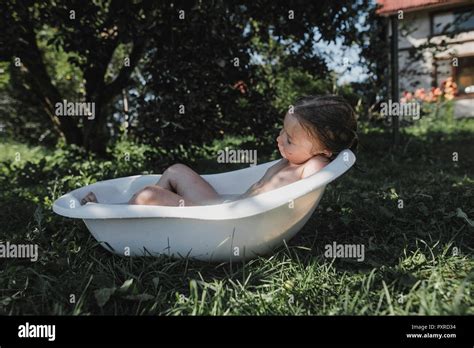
[(418, 259), (16, 152)]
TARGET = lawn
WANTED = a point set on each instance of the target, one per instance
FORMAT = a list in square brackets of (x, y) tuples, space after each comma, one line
[(410, 207)]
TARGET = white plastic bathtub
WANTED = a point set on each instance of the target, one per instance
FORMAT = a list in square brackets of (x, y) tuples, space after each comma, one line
[(231, 231)]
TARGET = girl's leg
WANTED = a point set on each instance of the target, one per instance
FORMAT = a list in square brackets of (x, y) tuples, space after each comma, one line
[(178, 186), (156, 195), (149, 195), (188, 184)]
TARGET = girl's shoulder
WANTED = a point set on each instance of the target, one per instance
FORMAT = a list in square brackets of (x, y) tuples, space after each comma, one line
[(314, 165)]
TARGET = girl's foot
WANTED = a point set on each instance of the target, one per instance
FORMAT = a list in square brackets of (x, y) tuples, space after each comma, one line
[(90, 197)]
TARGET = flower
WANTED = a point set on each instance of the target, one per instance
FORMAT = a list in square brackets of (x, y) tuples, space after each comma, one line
[(450, 88), (431, 97), (420, 93), (241, 86), (447, 91), (407, 96)]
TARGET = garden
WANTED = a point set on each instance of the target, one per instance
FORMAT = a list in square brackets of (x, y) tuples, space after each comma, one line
[(408, 204)]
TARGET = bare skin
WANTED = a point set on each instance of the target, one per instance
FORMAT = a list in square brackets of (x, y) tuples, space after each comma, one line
[(181, 186), (178, 186), (302, 157)]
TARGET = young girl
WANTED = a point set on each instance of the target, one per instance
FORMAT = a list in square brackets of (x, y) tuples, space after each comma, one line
[(312, 135)]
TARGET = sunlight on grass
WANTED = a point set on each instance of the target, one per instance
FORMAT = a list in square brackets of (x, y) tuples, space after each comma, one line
[(13, 151)]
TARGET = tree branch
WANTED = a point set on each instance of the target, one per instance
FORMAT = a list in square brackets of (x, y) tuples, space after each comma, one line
[(113, 88), (49, 95)]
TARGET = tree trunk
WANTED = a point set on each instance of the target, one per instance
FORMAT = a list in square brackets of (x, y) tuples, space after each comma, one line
[(95, 135), (49, 95)]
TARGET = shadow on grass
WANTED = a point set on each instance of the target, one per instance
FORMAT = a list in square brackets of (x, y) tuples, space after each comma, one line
[(405, 195)]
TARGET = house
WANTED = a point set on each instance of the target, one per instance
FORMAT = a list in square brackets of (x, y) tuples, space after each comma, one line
[(442, 32)]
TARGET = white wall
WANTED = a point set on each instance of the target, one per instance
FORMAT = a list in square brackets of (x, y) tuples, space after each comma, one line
[(413, 31)]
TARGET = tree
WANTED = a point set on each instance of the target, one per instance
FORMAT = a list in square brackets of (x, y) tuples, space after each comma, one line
[(207, 53), (91, 31), (183, 53)]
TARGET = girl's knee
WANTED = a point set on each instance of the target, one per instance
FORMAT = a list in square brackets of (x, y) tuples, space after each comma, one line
[(177, 168), (175, 173), (148, 195)]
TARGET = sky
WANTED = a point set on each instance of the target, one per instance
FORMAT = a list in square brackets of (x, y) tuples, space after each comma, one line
[(343, 60)]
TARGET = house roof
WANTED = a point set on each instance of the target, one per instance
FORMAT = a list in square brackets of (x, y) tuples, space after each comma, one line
[(390, 7)]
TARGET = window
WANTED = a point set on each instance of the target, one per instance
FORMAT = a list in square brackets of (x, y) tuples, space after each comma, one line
[(464, 75), (453, 21)]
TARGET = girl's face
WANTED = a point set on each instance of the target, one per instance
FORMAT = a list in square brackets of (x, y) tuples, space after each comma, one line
[(295, 144)]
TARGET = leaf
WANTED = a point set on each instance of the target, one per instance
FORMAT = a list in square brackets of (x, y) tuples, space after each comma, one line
[(126, 285), (156, 281), (463, 215), (5, 301), (103, 295)]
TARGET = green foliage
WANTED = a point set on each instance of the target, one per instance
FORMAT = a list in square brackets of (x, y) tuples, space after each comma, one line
[(292, 84), (22, 114), (67, 77), (196, 61), (4, 76), (12, 151)]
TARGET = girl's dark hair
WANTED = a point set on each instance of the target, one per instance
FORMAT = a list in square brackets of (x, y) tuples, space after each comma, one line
[(329, 118)]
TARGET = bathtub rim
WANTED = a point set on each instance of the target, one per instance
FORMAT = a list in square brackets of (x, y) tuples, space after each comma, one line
[(232, 210)]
